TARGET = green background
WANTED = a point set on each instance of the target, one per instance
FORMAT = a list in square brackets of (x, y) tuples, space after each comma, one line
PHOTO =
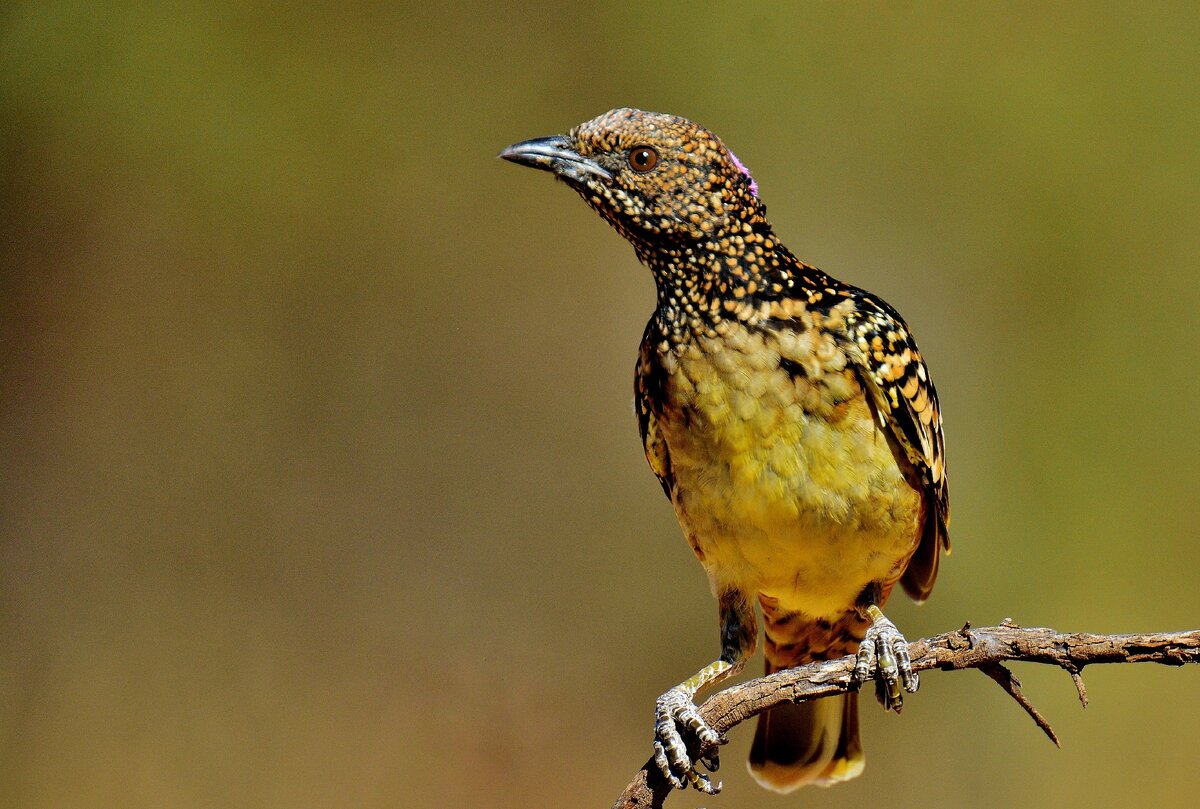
[(321, 484)]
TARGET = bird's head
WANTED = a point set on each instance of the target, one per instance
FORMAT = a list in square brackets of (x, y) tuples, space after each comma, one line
[(657, 178)]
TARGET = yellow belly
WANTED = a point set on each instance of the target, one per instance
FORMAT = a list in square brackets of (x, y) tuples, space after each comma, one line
[(784, 484)]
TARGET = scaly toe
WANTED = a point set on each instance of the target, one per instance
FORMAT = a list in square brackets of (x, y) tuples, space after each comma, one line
[(907, 676), (674, 712), (885, 651), (864, 662), (660, 760)]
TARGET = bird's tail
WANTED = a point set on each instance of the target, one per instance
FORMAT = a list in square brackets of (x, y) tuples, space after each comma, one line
[(814, 742)]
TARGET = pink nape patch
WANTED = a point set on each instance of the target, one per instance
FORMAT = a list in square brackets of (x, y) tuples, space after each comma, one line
[(745, 173)]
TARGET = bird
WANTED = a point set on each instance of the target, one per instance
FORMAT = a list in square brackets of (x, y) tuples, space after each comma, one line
[(793, 425)]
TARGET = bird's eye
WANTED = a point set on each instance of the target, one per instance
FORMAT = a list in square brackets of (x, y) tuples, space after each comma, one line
[(642, 159)]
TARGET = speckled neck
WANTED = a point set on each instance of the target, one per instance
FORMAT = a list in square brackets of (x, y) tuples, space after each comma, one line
[(700, 285)]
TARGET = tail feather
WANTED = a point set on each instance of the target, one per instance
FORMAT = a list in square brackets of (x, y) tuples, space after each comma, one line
[(814, 742)]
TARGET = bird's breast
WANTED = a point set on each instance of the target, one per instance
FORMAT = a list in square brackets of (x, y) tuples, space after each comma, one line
[(782, 478)]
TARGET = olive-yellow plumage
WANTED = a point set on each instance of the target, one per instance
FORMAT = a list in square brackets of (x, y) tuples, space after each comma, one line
[(792, 423), (807, 504)]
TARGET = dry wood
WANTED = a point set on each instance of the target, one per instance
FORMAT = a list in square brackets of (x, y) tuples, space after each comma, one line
[(967, 648)]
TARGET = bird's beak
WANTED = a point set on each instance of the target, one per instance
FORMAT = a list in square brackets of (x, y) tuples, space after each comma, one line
[(554, 154)]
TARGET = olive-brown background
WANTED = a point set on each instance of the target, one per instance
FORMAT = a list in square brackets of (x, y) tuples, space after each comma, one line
[(321, 485)]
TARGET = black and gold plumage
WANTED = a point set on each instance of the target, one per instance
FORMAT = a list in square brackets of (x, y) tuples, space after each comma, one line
[(790, 419)]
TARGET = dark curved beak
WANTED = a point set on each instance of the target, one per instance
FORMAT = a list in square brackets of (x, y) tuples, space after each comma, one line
[(554, 154)]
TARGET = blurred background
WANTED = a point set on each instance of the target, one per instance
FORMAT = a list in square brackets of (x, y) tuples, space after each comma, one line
[(321, 483)]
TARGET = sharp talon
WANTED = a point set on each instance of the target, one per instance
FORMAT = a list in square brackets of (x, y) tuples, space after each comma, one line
[(888, 695), (703, 783)]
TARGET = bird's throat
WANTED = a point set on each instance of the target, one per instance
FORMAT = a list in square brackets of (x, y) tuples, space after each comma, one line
[(699, 284)]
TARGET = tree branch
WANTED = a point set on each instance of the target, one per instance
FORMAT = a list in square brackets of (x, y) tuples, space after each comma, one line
[(966, 648)]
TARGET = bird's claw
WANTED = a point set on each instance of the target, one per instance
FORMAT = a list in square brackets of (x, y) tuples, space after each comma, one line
[(674, 712), (885, 652)]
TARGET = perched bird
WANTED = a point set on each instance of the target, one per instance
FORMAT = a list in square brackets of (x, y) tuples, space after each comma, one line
[(793, 425)]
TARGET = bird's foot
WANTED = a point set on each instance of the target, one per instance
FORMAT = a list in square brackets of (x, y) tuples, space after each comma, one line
[(675, 712), (884, 652)]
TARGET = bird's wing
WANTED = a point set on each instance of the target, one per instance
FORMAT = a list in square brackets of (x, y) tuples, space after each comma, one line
[(649, 390), (905, 402)]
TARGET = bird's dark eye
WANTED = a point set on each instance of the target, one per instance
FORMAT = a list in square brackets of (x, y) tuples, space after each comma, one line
[(642, 159)]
